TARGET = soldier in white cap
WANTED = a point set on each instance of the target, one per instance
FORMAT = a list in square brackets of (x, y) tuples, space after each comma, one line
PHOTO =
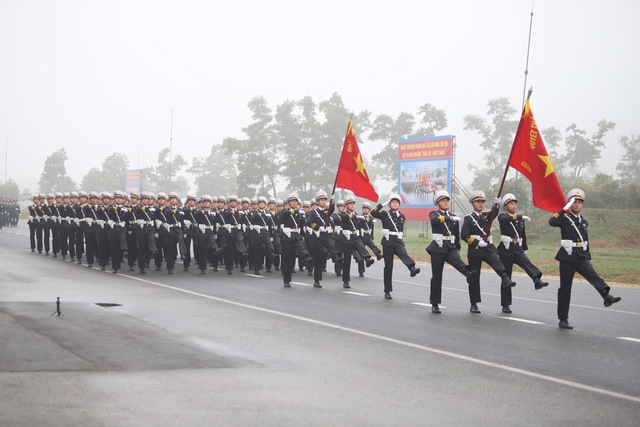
[(513, 247), (444, 247), (392, 240), (320, 239), (366, 226), (351, 243), (292, 221), (574, 255), (481, 248)]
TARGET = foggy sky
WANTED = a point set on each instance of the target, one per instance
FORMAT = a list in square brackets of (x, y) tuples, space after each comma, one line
[(98, 77)]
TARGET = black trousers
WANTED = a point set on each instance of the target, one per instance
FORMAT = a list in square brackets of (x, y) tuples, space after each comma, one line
[(292, 249), (71, 240), (103, 246), (262, 250), (117, 245), (437, 265), (317, 247), (46, 230), (523, 261), (233, 243), (91, 241), (388, 252), (79, 242), (567, 271), (39, 230), (352, 247), (475, 263), (32, 234)]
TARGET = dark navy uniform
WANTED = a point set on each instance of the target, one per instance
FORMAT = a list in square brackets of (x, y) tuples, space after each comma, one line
[(292, 221), (574, 255), (392, 243), (320, 240)]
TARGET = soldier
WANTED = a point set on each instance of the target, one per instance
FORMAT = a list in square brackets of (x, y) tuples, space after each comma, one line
[(230, 221), (292, 221), (320, 239), (72, 224), (132, 240), (338, 237), (145, 231), (117, 215), (574, 255), (365, 228), (79, 221), (161, 231), (103, 230), (276, 232), (204, 232), (32, 222), (89, 227), (351, 244), (513, 247), (444, 247), (189, 224), (54, 222), (481, 248), (46, 225), (260, 236), (392, 244)]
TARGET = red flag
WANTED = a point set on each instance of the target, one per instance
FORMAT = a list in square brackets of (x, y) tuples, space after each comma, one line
[(351, 172), (530, 157)]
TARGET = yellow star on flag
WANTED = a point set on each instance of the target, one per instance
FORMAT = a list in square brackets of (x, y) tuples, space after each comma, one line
[(359, 165), (547, 161)]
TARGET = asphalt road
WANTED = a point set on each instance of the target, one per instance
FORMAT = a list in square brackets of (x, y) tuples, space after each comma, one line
[(241, 350)]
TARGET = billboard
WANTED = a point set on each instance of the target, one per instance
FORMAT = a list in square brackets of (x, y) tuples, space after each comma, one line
[(133, 181), (424, 167)]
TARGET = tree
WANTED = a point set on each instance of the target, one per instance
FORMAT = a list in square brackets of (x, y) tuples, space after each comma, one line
[(92, 181), (257, 156), (162, 177), (583, 152), (433, 119), (9, 190), (215, 174), (114, 171), (629, 166), (385, 128), (497, 139), (54, 175)]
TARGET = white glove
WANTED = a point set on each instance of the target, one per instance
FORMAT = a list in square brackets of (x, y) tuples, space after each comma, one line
[(569, 203), (301, 212), (360, 216), (497, 201), (482, 244), (456, 218), (526, 218)]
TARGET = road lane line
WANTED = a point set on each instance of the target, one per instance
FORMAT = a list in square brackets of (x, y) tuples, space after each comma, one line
[(424, 304), (356, 293), (300, 283), (630, 339), (517, 319), (433, 350)]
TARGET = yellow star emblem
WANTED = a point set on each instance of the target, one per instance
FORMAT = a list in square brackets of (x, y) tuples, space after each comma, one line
[(547, 161), (359, 165)]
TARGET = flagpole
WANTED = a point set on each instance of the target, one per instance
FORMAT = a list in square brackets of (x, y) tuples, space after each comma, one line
[(526, 71), (494, 211), (335, 181)]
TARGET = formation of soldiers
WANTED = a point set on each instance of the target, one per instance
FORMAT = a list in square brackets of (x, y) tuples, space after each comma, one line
[(260, 233), (158, 229), (9, 212)]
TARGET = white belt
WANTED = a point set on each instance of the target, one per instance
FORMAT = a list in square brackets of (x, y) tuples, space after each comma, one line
[(568, 245), (508, 240), (386, 233), (260, 227), (489, 240), (366, 231), (440, 238)]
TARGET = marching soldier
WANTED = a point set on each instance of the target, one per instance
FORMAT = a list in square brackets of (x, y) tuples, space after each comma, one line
[(481, 248), (338, 237), (89, 226), (230, 221), (292, 221), (32, 222), (205, 222), (260, 236), (54, 222), (190, 228), (392, 244), (444, 247), (365, 229), (513, 247), (118, 216), (103, 230), (145, 231), (351, 244), (46, 225), (70, 203), (79, 220), (276, 233), (161, 231), (574, 255), (132, 240), (320, 239)]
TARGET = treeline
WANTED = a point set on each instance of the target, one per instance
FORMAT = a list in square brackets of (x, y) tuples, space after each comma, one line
[(295, 146)]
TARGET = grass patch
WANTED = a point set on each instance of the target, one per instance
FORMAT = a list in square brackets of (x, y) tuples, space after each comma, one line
[(614, 240)]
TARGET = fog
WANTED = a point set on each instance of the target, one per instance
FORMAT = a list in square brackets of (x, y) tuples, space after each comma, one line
[(100, 77)]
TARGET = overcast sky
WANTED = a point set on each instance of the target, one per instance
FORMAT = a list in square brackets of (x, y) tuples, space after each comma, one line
[(98, 77)]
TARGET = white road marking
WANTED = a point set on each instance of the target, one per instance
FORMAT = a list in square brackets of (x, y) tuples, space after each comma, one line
[(300, 283), (424, 304), (356, 293), (533, 322), (254, 275), (630, 339), (403, 343)]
